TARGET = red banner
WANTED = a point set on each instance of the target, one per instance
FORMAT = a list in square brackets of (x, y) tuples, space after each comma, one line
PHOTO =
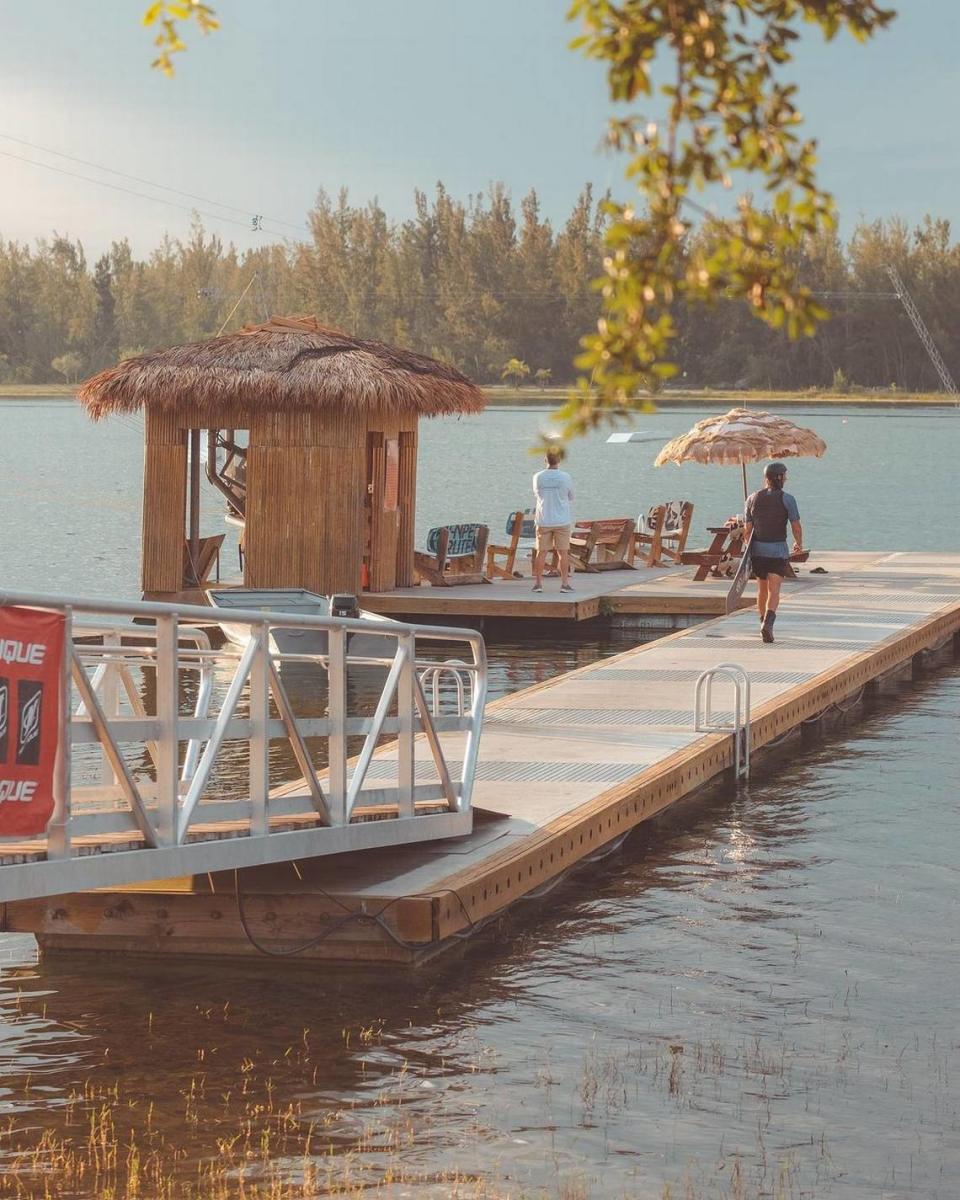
[(31, 659)]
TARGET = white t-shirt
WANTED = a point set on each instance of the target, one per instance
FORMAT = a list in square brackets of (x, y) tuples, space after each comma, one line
[(553, 489)]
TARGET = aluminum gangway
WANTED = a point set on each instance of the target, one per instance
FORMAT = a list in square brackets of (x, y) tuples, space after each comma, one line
[(178, 756)]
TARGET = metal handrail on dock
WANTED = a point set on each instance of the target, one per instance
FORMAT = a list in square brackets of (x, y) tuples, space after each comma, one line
[(704, 721), (142, 733)]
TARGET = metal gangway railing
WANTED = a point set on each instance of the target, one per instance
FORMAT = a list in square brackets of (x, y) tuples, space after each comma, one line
[(705, 721), (150, 709)]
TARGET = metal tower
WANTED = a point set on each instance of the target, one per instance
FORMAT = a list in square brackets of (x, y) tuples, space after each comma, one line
[(946, 379)]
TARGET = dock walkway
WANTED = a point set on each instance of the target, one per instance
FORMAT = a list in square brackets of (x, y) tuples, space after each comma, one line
[(667, 596), (566, 768)]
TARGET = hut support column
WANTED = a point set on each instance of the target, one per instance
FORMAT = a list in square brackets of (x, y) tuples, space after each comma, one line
[(408, 507), (194, 503), (164, 504)]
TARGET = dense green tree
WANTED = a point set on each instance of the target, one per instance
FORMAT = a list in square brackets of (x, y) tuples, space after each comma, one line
[(475, 283), (104, 344)]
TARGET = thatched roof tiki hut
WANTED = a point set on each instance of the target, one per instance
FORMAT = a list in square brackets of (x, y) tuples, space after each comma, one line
[(326, 481)]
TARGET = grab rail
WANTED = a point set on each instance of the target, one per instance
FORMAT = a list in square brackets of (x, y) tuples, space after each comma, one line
[(704, 721), (462, 680)]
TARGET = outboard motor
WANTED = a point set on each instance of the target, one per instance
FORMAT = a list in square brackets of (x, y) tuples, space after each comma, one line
[(343, 604)]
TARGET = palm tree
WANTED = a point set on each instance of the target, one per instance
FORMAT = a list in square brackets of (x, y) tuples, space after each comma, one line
[(516, 370)]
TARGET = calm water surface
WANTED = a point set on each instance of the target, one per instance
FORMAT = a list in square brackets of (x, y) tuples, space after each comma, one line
[(756, 998)]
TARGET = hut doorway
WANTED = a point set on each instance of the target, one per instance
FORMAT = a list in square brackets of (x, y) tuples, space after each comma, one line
[(390, 507)]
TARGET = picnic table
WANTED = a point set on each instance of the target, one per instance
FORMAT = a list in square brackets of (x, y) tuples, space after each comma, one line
[(722, 557)]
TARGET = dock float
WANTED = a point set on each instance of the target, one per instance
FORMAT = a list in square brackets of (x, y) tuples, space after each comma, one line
[(566, 769)]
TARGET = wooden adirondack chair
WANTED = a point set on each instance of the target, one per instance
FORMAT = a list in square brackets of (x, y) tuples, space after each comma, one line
[(454, 556), (196, 574), (612, 539), (664, 529), (519, 525)]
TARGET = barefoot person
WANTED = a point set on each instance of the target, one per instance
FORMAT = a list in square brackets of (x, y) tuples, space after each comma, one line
[(553, 518), (768, 512)]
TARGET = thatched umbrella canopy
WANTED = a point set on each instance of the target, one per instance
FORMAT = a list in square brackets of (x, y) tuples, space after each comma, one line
[(739, 437), (289, 363)]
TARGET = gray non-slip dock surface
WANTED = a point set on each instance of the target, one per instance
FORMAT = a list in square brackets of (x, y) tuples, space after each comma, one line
[(551, 750)]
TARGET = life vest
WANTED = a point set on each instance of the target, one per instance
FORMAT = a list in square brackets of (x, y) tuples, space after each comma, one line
[(769, 515)]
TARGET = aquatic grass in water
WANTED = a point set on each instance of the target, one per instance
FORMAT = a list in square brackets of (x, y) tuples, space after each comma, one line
[(755, 999)]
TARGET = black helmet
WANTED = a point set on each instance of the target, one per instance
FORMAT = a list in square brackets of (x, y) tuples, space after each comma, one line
[(774, 470)]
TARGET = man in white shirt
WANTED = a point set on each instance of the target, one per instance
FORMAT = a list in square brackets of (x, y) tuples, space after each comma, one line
[(553, 489)]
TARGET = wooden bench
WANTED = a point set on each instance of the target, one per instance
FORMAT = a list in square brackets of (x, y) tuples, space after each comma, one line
[(612, 541), (664, 529), (454, 556), (519, 525)]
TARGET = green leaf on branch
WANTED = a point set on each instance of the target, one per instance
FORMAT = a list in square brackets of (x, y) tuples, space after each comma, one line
[(727, 115), (168, 42)]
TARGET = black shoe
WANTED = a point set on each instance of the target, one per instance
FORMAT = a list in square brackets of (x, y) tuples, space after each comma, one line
[(766, 633)]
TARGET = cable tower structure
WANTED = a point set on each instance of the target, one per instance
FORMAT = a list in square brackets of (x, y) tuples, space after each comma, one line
[(946, 379)]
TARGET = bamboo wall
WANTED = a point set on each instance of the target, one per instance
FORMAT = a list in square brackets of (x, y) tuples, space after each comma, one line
[(306, 484), (325, 490)]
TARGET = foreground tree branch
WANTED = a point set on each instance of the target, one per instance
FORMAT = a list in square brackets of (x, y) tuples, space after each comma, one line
[(728, 116)]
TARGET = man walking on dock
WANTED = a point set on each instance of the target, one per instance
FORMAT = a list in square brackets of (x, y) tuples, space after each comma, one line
[(767, 514), (553, 518)]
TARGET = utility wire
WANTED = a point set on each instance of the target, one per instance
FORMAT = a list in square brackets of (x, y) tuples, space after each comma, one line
[(116, 187), (8, 137)]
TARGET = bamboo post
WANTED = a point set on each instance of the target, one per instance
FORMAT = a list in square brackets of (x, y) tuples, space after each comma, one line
[(194, 504)]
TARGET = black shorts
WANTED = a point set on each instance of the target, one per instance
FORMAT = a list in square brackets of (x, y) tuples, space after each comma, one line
[(764, 566)]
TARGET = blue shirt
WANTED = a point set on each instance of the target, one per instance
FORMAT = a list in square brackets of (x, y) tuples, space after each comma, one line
[(775, 549)]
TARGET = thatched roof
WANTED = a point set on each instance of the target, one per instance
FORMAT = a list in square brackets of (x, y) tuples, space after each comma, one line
[(742, 436), (288, 363)]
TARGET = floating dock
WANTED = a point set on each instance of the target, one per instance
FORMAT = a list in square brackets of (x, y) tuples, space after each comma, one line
[(656, 597), (566, 769)]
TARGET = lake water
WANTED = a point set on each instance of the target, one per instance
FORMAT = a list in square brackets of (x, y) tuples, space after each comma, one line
[(755, 998)]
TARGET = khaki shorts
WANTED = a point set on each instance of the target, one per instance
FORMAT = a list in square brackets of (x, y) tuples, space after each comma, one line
[(553, 537)]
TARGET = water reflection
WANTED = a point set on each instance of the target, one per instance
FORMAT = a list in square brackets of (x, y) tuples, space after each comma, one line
[(755, 994)]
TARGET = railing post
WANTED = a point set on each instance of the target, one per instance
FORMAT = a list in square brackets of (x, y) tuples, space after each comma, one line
[(168, 746), (58, 830), (337, 740), (110, 695), (259, 741), (405, 711)]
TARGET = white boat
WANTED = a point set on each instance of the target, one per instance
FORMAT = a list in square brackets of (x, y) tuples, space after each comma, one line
[(301, 603)]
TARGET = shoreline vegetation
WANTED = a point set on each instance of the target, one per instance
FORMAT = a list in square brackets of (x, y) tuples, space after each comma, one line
[(549, 398), (490, 286)]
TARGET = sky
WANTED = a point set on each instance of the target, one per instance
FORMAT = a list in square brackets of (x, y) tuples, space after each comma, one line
[(386, 96)]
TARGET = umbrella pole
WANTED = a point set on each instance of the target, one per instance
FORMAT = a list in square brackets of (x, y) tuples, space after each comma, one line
[(743, 470)]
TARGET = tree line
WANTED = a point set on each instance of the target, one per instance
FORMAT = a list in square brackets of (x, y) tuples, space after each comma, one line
[(480, 283)]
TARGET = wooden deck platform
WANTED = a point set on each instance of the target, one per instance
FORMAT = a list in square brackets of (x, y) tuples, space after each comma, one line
[(645, 591), (566, 768)]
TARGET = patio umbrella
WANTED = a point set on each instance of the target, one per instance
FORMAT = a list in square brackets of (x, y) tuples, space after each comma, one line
[(742, 436)]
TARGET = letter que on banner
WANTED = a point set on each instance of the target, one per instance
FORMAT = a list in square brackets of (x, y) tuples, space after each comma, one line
[(31, 657)]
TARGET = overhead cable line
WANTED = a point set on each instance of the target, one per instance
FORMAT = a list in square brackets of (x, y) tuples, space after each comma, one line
[(9, 137), (116, 187)]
